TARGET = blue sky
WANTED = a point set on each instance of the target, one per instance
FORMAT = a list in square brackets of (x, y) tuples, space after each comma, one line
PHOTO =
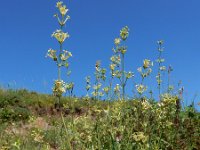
[(26, 26)]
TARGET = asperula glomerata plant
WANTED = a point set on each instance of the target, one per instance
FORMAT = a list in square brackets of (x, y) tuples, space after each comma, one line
[(61, 56), (100, 76), (160, 61), (117, 60)]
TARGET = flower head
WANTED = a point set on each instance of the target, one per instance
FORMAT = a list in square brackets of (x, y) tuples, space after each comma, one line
[(59, 4), (116, 59), (117, 41), (65, 55), (52, 54), (63, 10), (147, 63), (129, 75), (141, 88), (124, 32), (60, 36), (59, 88), (112, 67), (122, 49)]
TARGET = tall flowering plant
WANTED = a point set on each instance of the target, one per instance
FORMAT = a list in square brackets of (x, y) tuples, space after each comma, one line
[(161, 68), (60, 56), (118, 61), (144, 71), (100, 76)]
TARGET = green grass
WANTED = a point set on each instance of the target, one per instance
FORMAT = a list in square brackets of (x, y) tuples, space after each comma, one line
[(28, 120)]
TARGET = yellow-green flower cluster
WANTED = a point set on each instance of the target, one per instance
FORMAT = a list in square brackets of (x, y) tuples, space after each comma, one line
[(117, 41), (118, 74), (147, 63), (129, 75), (115, 62), (112, 68), (100, 73), (124, 32), (52, 54), (60, 36), (141, 88), (122, 49), (62, 11), (168, 99), (145, 70), (115, 59), (62, 8), (59, 88), (140, 137), (65, 55)]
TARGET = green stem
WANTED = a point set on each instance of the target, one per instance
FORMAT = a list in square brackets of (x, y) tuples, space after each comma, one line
[(123, 80), (159, 73), (111, 80), (168, 90)]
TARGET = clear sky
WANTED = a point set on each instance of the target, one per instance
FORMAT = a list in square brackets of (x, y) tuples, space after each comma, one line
[(26, 27)]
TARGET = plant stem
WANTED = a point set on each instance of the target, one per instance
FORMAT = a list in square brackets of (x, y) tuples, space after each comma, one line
[(159, 73), (123, 80)]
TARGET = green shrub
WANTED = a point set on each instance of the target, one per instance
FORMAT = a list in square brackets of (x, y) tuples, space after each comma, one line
[(10, 114)]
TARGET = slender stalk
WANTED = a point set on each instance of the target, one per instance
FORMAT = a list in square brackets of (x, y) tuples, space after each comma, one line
[(159, 73), (168, 82), (123, 79), (59, 67), (111, 85)]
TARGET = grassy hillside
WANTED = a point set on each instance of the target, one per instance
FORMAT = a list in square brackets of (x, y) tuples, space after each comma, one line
[(28, 120)]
